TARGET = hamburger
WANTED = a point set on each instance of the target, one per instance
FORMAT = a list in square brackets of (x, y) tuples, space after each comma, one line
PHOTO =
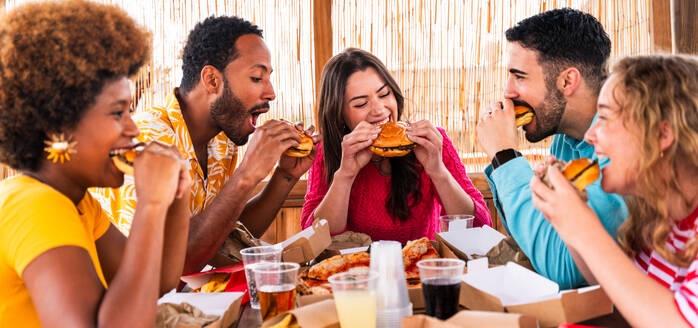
[(304, 148), (392, 141), (580, 172), (123, 158), (524, 115)]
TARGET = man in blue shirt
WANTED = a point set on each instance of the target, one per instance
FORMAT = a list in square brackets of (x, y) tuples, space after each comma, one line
[(557, 64)]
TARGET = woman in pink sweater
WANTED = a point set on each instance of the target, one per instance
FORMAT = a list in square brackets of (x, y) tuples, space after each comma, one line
[(397, 198)]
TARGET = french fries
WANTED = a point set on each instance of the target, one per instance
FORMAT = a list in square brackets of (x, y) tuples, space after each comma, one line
[(216, 284)]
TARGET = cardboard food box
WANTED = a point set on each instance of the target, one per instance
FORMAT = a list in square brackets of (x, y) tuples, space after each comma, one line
[(317, 315), (346, 243), (307, 244), (513, 288), (237, 282), (472, 319), (468, 242), (224, 305), (471, 243)]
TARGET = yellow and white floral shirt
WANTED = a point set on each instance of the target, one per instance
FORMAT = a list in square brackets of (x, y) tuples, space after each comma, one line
[(166, 125)]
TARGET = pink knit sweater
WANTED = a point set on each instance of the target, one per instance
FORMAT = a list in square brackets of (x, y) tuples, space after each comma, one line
[(370, 191)]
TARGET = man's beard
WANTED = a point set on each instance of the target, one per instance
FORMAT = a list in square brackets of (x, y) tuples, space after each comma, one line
[(230, 115), (548, 116)]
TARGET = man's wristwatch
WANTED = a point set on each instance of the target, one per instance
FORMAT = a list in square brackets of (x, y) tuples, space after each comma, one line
[(504, 156)]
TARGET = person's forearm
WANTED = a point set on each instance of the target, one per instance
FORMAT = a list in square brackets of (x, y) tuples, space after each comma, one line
[(260, 211), (334, 207), (131, 299), (209, 228), (583, 267), (175, 247), (534, 234), (641, 299), (453, 198)]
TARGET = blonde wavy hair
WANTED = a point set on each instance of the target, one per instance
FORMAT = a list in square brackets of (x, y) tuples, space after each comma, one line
[(658, 89)]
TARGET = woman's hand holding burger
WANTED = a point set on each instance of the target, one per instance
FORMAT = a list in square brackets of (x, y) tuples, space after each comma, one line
[(429, 146), (161, 175), (562, 205), (355, 152)]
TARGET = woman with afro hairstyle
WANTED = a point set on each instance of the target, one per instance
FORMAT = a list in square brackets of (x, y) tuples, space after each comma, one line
[(64, 69), (648, 127)]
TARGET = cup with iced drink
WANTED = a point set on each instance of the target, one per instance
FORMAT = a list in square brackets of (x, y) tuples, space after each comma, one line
[(441, 279), (252, 256), (276, 287), (355, 298), (459, 221)]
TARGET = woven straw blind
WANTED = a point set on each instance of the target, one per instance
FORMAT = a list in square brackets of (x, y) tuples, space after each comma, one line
[(449, 57)]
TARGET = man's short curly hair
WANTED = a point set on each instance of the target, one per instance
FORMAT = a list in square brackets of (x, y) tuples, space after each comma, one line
[(55, 58), (566, 38), (212, 42)]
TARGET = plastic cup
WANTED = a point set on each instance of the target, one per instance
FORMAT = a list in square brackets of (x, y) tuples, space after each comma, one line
[(392, 302), (252, 256), (276, 283), (441, 279), (355, 298), (461, 221)]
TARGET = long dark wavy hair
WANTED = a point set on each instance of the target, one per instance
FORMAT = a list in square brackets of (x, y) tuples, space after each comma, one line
[(404, 182)]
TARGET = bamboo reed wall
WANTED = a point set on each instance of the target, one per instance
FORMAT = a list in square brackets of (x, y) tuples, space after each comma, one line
[(448, 56)]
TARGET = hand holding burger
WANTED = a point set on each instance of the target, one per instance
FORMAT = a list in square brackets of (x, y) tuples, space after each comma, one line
[(429, 147), (300, 155), (266, 147), (304, 148), (556, 193), (496, 131), (355, 148), (162, 176), (123, 158), (392, 140), (580, 172)]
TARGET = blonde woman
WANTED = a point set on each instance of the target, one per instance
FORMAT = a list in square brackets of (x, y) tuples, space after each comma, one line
[(648, 127)]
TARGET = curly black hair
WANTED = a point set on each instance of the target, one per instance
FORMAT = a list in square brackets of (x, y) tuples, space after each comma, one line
[(566, 38), (212, 42), (55, 58)]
